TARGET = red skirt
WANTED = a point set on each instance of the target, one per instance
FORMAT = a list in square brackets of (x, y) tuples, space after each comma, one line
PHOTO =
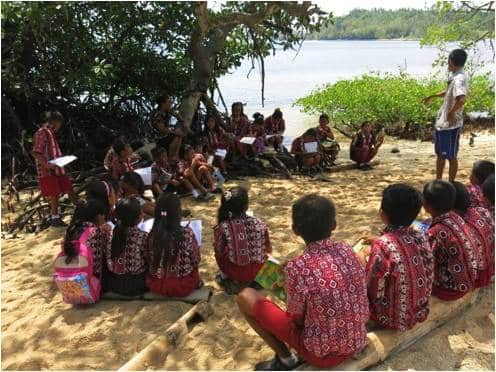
[(174, 286), (54, 186), (242, 274)]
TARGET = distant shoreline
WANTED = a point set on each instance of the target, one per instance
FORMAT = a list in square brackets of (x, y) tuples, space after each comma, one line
[(323, 39)]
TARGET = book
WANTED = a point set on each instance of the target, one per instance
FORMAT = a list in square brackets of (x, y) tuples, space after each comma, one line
[(421, 226), (63, 160), (221, 153), (311, 147), (271, 277), (195, 225), (287, 141), (360, 245), (146, 175), (248, 140)]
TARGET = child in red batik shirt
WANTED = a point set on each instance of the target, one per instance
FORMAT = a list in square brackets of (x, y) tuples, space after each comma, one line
[(53, 180), (275, 126), (173, 252), (327, 306), (482, 223), (400, 270), (241, 242), (452, 244), (121, 159), (480, 171)]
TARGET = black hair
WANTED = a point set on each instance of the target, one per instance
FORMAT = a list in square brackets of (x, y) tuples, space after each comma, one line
[(119, 145), (127, 212), (365, 123), (401, 203), (324, 116), (488, 189), (51, 116), (233, 204), (184, 149), (482, 169), (258, 119), (167, 231), (86, 211), (440, 196), (238, 104), (157, 152), (257, 115), (206, 129), (458, 57), (314, 217), (100, 190), (277, 114), (161, 99), (462, 201), (134, 180), (310, 132)]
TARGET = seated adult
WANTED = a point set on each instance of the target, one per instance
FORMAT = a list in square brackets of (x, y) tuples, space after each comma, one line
[(364, 146), (168, 124), (304, 157)]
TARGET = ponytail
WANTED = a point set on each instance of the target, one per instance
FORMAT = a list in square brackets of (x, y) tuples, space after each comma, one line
[(72, 235), (128, 211), (234, 204)]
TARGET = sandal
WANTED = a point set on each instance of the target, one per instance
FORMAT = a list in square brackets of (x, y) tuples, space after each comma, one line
[(276, 365)]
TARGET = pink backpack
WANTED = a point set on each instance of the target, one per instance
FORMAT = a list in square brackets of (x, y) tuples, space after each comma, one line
[(76, 280)]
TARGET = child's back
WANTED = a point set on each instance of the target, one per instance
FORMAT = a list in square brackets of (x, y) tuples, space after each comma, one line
[(400, 275)]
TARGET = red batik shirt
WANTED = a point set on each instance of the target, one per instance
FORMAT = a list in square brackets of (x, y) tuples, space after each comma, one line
[(477, 198), (119, 166), (400, 273), (324, 132), (326, 291), (481, 220), (215, 140), (97, 242), (159, 171), (455, 257), (132, 259), (271, 127), (239, 127), (298, 146), (45, 143), (242, 240), (187, 258)]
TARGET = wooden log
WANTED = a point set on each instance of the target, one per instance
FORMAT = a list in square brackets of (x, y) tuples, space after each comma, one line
[(155, 354), (349, 166), (385, 343)]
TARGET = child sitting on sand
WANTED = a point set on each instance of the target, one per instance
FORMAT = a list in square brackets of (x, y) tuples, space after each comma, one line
[(326, 138), (238, 126), (327, 305), (241, 242), (164, 177), (132, 185), (480, 171), (364, 146), (214, 138), (303, 157), (482, 224), (400, 269), (173, 252), (103, 191), (125, 253), (196, 173), (452, 243), (488, 191), (275, 126), (257, 130), (121, 159)]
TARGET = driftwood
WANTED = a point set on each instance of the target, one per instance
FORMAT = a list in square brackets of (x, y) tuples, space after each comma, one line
[(155, 354), (385, 343)]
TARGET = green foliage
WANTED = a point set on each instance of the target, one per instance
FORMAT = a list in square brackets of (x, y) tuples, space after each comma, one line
[(409, 24), (390, 100)]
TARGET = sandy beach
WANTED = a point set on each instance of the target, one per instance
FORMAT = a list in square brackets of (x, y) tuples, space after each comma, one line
[(39, 331)]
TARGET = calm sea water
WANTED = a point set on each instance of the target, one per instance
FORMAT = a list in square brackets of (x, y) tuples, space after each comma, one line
[(290, 75)]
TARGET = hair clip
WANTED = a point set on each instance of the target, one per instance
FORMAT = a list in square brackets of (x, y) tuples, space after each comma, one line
[(227, 195), (163, 213)]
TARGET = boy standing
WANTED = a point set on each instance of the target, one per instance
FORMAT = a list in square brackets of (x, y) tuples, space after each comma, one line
[(53, 180), (449, 120), (452, 243), (327, 305)]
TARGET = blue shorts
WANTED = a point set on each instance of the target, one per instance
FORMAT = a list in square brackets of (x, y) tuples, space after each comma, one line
[(448, 142)]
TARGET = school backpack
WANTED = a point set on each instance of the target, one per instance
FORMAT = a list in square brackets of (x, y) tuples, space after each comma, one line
[(75, 280)]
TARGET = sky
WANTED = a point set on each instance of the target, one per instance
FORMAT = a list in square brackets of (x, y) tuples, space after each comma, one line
[(340, 7)]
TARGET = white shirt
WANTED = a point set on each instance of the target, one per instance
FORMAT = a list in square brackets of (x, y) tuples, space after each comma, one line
[(457, 86)]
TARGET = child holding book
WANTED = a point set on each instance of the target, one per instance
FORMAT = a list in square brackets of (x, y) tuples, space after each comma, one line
[(125, 253), (241, 242), (275, 126), (326, 138), (173, 253), (480, 171), (164, 177), (327, 306), (132, 186), (304, 158), (452, 243), (364, 146), (482, 224), (122, 159), (400, 268)]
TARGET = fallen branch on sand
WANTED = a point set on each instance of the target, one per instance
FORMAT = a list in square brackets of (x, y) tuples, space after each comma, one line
[(155, 354), (385, 343)]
